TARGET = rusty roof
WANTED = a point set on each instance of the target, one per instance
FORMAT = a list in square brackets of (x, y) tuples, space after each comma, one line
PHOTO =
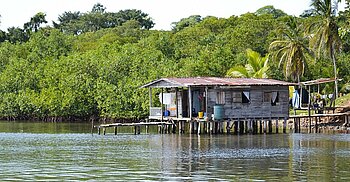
[(213, 81)]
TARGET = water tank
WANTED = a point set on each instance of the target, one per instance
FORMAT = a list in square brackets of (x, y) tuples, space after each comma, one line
[(218, 112)]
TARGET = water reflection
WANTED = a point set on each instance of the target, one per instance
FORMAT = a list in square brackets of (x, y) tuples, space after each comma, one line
[(75, 155)]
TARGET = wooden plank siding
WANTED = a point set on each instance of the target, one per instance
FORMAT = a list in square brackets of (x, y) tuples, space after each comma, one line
[(256, 108)]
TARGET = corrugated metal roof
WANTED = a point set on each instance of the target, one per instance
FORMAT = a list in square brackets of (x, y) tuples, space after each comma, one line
[(319, 81), (213, 81)]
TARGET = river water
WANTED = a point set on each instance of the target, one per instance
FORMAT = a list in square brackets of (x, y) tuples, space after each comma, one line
[(68, 151)]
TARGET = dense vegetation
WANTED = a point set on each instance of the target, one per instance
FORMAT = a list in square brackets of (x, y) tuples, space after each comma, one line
[(91, 65)]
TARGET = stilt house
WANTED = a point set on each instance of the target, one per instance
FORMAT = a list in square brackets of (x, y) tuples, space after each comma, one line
[(218, 99)]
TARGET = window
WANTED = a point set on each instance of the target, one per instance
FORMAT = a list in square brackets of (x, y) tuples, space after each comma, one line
[(241, 97), (236, 97), (245, 97), (272, 97), (220, 98)]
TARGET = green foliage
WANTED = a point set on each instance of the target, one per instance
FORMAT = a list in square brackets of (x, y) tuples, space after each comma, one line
[(35, 22), (270, 10), (77, 23), (290, 49), (257, 67), (92, 64), (186, 22)]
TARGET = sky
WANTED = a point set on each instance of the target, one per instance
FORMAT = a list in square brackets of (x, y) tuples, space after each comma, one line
[(163, 12)]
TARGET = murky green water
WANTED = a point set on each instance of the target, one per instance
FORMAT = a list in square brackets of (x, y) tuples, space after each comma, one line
[(68, 151)]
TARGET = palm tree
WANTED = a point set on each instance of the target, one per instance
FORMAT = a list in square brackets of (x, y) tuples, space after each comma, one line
[(291, 50), (256, 68), (325, 39)]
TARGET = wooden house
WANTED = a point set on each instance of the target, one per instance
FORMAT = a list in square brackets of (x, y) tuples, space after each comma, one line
[(218, 99)]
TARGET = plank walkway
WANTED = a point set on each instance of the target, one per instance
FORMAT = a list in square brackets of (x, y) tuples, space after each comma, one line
[(137, 126)]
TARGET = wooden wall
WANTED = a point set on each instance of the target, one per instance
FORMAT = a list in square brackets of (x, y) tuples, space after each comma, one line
[(257, 107)]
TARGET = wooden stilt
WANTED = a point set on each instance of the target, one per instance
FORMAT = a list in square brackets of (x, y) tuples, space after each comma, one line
[(228, 127), (99, 130), (270, 126), (104, 130), (242, 127), (174, 128), (265, 125), (235, 127), (277, 120), (92, 127), (284, 125), (260, 127), (198, 128), (115, 130), (249, 122)]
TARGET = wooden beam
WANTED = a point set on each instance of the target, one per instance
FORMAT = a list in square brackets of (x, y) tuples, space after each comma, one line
[(176, 103), (190, 101), (206, 101), (161, 105), (150, 100)]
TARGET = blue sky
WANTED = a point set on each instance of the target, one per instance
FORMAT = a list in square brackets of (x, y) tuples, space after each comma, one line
[(164, 12)]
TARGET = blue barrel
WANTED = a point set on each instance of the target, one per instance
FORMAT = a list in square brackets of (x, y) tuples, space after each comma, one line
[(218, 112)]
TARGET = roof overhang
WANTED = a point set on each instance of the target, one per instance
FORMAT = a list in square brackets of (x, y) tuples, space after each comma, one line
[(319, 81), (213, 81)]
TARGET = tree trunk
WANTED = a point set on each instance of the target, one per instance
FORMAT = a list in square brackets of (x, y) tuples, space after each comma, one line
[(335, 72)]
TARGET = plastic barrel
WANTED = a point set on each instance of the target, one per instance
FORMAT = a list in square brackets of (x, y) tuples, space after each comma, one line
[(218, 112)]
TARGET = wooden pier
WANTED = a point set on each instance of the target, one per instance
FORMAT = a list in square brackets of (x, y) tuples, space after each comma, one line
[(233, 126), (163, 127), (312, 122), (201, 126)]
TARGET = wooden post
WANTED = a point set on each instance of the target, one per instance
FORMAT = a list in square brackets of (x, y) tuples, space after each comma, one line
[(235, 127), (161, 105), (284, 125), (228, 127), (261, 126), (301, 95), (309, 110), (176, 103), (150, 100), (198, 128), (270, 126), (206, 101), (277, 125), (265, 125), (250, 126), (104, 130), (180, 126), (115, 130), (191, 127), (92, 127), (99, 131), (190, 101), (238, 126), (146, 126), (183, 126), (316, 123)]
